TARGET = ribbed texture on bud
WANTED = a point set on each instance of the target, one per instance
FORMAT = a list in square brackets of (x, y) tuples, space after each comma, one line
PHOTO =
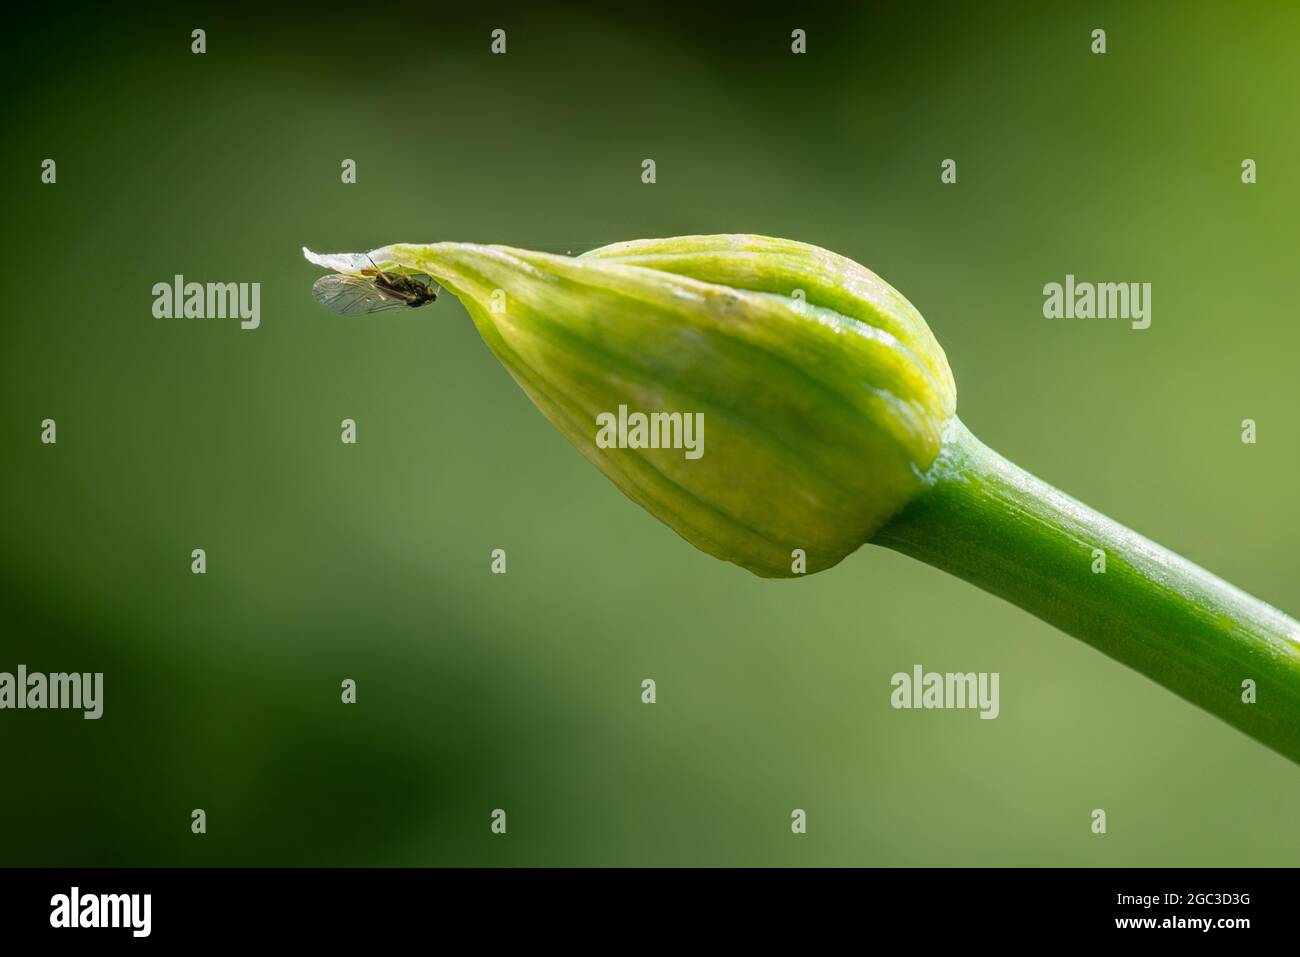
[(824, 395)]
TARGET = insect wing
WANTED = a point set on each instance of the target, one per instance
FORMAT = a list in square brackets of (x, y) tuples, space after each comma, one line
[(354, 295)]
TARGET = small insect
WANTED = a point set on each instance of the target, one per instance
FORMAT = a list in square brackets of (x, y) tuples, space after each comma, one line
[(373, 290)]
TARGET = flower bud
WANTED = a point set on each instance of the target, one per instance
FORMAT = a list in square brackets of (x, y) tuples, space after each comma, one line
[(759, 396)]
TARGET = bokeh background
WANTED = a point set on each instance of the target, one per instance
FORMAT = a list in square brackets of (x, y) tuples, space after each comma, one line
[(522, 692)]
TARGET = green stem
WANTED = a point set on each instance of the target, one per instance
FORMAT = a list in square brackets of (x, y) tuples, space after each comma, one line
[(988, 521)]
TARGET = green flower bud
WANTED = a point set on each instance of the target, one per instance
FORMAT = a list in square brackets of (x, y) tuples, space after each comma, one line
[(823, 394)]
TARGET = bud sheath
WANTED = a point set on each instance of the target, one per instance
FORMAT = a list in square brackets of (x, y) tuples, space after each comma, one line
[(823, 394)]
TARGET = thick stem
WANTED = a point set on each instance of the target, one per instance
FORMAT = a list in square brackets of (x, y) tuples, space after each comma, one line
[(988, 521)]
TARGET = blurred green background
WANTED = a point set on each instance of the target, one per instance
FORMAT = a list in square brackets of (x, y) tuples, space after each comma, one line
[(522, 692)]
